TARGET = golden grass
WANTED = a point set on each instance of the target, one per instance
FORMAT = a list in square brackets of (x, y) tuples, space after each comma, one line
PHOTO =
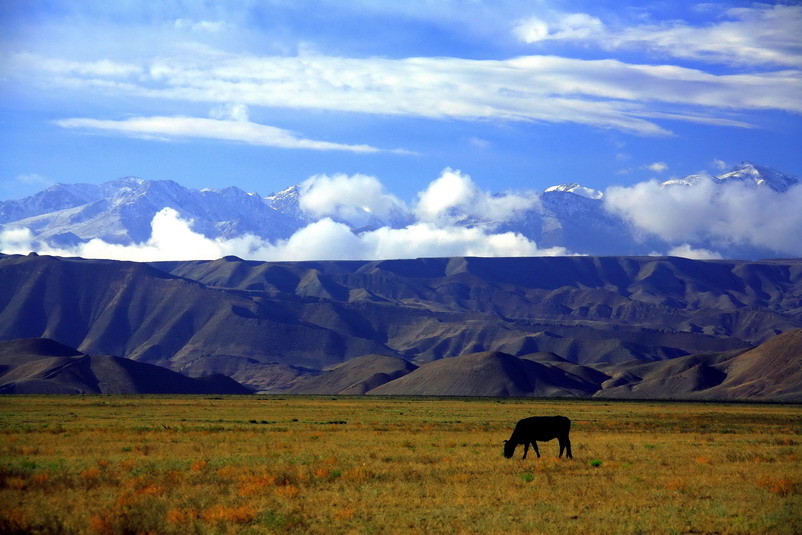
[(117, 465)]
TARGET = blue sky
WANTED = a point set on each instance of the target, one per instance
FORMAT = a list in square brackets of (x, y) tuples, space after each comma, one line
[(517, 95)]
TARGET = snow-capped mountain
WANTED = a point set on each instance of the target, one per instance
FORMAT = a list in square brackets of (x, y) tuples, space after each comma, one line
[(121, 211), (576, 189), (571, 216), (747, 173), (759, 176)]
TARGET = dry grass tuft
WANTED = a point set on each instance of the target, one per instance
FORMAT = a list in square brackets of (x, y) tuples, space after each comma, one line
[(782, 486)]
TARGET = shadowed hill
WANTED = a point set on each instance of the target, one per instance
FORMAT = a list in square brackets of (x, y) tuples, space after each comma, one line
[(42, 366), (356, 376), (772, 370), (488, 373), (270, 325)]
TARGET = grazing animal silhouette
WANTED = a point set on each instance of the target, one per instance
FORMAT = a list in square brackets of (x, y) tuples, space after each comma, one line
[(543, 428)]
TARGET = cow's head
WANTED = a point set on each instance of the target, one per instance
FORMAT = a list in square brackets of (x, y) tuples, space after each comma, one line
[(509, 448)]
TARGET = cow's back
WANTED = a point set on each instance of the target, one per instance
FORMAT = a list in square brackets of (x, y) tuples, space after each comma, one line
[(542, 428)]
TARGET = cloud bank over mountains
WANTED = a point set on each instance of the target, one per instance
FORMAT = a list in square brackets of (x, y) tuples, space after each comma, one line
[(355, 217), (720, 214), (432, 227)]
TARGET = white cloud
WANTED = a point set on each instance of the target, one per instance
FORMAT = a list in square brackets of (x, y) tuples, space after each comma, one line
[(565, 26), (532, 30), (200, 25), (16, 240), (25, 61), (719, 164), (686, 251), (428, 240), (605, 93), (657, 167), (339, 203), (356, 199), (173, 239), (721, 215), (234, 128), (232, 112), (758, 35), (35, 179), (609, 93), (455, 197), (479, 143)]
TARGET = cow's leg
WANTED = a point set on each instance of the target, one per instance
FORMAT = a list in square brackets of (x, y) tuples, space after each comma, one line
[(534, 445), (565, 446), (526, 448)]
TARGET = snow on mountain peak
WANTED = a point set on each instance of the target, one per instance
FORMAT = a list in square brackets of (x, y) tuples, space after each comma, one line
[(746, 173), (760, 176), (577, 189), (690, 180)]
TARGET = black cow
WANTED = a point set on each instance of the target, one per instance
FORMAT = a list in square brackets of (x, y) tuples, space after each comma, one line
[(542, 428)]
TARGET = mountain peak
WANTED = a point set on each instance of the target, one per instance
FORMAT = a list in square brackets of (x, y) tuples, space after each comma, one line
[(576, 189), (130, 181), (747, 173), (760, 176)]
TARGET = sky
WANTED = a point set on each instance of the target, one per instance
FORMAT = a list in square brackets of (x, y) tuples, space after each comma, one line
[(517, 95)]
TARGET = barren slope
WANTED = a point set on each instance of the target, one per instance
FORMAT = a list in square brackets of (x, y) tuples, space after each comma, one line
[(42, 366)]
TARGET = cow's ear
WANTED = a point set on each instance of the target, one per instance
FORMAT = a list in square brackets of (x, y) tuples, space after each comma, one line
[(505, 442)]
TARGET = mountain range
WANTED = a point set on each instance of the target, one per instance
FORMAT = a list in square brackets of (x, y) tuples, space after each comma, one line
[(543, 326), (570, 216)]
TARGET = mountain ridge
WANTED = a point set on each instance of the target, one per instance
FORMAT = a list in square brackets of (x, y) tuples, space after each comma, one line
[(569, 216), (272, 325)]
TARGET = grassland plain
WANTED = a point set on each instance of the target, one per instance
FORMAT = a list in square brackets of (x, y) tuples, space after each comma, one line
[(118, 464)]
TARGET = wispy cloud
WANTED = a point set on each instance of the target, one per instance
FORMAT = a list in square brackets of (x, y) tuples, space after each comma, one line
[(200, 25), (758, 35), (25, 61), (608, 93), (34, 179), (241, 130)]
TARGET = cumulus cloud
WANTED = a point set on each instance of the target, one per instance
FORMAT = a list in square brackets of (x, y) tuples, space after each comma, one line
[(173, 239), (687, 251), (657, 167), (723, 215), (231, 124), (356, 199), (172, 236), (455, 197), (20, 241)]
